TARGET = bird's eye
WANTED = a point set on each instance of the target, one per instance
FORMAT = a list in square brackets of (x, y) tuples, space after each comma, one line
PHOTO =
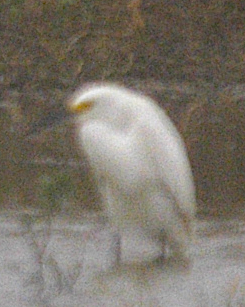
[(81, 107)]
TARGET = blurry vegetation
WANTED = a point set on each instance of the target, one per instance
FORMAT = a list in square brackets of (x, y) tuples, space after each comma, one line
[(56, 41), (40, 170), (194, 49), (215, 139), (55, 190), (65, 191)]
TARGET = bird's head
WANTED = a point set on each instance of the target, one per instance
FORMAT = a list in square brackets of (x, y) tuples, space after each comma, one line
[(106, 102)]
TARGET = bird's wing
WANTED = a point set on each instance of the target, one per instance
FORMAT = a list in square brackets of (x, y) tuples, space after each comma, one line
[(167, 155)]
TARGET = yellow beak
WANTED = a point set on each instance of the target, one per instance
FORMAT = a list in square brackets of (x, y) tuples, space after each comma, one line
[(80, 107)]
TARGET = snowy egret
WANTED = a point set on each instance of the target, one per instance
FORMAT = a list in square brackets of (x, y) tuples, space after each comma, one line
[(139, 162)]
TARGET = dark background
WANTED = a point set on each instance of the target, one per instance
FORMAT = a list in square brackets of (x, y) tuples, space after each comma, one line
[(188, 55)]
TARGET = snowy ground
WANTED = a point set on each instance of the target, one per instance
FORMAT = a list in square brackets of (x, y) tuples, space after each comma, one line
[(70, 265)]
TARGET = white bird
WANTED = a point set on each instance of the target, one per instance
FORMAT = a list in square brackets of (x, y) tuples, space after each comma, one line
[(140, 164)]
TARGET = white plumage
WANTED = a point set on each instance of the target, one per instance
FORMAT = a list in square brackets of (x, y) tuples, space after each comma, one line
[(140, 163)]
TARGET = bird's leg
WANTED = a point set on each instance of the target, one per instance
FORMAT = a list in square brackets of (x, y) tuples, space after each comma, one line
[(179, 252), (116, 247), (174, 250), (164, 242)]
